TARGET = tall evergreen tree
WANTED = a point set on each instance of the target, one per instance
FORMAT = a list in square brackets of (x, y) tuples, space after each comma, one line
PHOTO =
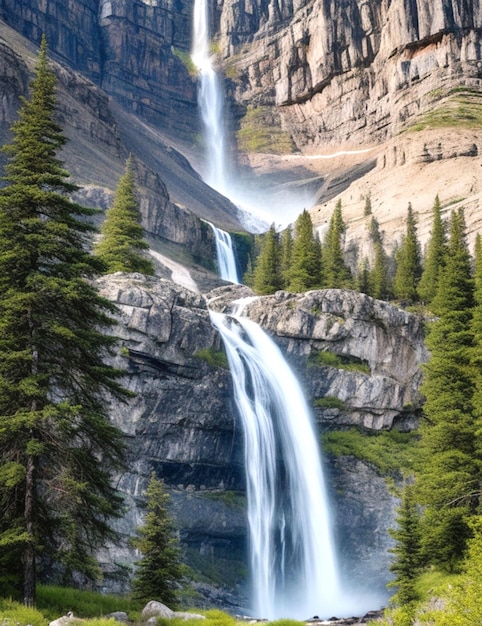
[(363, 278), (448, 479), (409, 268), (476, 360), (159, 570), (407, 551), (267, 274), (57, 447), (335, 273), (435, 257), (122, 240), (305, 271), (286, 253), (378, 279)]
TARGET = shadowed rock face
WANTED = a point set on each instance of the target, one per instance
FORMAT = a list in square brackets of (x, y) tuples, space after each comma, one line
[(183, 423)]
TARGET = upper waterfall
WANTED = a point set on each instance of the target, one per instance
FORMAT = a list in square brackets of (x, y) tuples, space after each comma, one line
[(211, 101), (293, 562)]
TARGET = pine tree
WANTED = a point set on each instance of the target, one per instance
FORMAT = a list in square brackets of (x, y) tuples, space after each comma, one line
[(407, 551), (435, 257), (409, 266), (267, 274), (378, 279), (476, 356), (448, 479), (335, 273), (286, 254), (305, 270), (367, 210), (159, 570), (57, 447), (363, 278), (122, 241)]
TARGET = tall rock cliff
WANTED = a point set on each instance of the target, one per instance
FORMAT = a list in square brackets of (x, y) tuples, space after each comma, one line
[(349, 72), (184, 425)]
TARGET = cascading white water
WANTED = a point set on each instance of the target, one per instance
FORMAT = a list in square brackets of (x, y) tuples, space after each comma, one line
[(293, 563), (225, 255), (210, 99)]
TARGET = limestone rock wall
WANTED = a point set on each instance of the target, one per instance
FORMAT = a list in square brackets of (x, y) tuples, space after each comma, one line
[(349, 71)]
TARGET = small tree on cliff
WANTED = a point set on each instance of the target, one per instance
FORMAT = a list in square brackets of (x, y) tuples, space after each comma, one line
[(409, 268), (305, 270), (57, 447), (159, 571), (122, 241), (334, 271), (435, 257)]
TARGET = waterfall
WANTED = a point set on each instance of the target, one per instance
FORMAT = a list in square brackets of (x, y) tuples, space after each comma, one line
[(293, 563), (210, 100), (225, 255)]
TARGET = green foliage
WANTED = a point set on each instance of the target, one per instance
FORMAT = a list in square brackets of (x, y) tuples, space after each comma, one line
[(53, 379), (186, 60), (305, 269), (54, 601), (378, 279), (267, 274), (448, 478), (462, 108), (407, 551), (392, 452), (213, 357), (259, 132), (367, 209), (15, 614), (232, 499), (335, 274), (329, 402), (122, 236), (435, 257), (409, 268), (214, 617), (286, 622), (243, 243), (159, 571), (325, 358)]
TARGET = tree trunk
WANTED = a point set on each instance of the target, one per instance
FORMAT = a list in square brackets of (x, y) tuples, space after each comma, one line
[(29, 574)]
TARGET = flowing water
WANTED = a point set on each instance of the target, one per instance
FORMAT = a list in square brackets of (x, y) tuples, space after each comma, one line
[(294, 571), (210, 100), (225, 255)]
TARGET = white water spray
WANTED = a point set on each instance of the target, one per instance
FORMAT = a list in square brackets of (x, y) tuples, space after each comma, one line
[(210, 100), (293, 562)]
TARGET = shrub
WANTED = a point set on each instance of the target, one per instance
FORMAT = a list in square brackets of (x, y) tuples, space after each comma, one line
[(214, 358)]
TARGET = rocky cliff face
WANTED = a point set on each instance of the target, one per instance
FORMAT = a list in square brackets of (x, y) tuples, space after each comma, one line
[(349, 72), (183, 422)]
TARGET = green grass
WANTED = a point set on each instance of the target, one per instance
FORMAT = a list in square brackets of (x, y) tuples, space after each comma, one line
[(15, 614), (325, 358), (462, 108), (214, 617), (214, 358), (55, 601), (329, 402), (258, 132), (392, 452), (185, 58)]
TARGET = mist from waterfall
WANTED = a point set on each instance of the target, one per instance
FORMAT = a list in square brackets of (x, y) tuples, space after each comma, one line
[(293, 563), (225, 255)]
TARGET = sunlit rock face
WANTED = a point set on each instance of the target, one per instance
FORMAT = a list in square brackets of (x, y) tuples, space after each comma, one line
[(349, 71), (183, 424)]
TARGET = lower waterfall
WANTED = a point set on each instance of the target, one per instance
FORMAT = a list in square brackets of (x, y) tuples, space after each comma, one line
[(225, 255), (294, 571)]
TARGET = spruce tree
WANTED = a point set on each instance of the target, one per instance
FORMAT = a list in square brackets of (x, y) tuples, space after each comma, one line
[(286, 254), (122, 241), (159, 571), (409, 266), (378, 279), (305, 270), (435, 257), (476, 354), (407, 551), (363, 278), (448, 479), (267, 274), (57, 448), (335, 273)]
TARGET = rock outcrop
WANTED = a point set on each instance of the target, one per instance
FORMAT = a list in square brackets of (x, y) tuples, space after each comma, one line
[(183, 423)]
